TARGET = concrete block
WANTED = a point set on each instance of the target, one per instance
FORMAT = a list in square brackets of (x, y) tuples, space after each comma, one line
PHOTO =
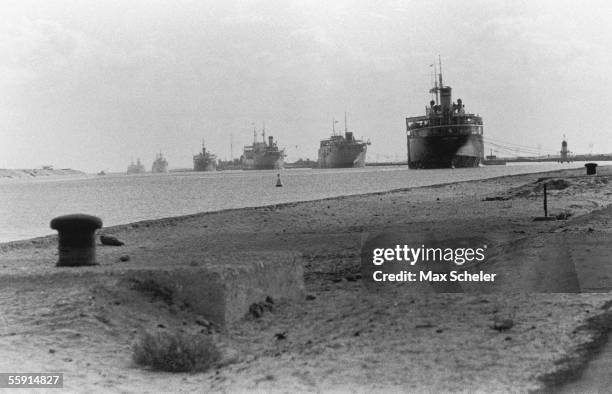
[(223, 292)]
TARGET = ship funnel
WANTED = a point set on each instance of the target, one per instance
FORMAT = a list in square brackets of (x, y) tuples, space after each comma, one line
[(270, 140), (446, 98)]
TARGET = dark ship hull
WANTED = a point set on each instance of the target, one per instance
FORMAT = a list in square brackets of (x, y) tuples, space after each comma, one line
[(132, 171), (445, 151), (264, 161), (203, 164), (342, 156), (160, 168)]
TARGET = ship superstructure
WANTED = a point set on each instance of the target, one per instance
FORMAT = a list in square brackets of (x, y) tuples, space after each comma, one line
[(446, 136)]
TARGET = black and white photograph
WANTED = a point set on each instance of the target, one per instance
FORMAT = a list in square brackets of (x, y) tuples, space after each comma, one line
[(305, 196)]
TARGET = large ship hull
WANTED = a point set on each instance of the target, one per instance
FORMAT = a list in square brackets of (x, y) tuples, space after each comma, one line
[(160, 167), (445, 151), (132, 171), (136, 168), (343, 156), (204, 165), (265, 161)]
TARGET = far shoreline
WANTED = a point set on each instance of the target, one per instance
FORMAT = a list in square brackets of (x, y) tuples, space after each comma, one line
[(32, 175)]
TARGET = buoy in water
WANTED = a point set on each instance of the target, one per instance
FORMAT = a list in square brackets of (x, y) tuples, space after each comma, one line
[(278, 181)]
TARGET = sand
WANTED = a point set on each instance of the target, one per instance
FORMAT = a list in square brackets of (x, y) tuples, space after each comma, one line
[(51, 173), (342, 335)]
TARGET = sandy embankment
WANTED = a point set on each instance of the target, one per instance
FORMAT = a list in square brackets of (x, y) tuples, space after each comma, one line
[(6, 174), (342, 336)]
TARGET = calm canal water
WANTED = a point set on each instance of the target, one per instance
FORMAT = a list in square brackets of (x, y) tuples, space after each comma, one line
[(27, 206)]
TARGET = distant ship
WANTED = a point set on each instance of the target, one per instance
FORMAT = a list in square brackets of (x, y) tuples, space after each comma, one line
[(262, 155), (160, 164), (341, 151), (204, 161), (137, 168), (492, 160), (447, 136)]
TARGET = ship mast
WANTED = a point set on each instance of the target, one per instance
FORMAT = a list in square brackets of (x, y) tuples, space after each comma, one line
[(263, 132), (333, 126), (438, 84), (433, 80), (434, 89), (440, 62)]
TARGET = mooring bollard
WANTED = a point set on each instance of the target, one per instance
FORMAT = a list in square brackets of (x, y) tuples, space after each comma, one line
[(591, 168), (76, 236), (278, 181)]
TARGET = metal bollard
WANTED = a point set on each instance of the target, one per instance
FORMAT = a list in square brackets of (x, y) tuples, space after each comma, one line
[(76, 235), (591, 168)]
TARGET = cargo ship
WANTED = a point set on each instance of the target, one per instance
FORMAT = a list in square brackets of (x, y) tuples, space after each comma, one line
[(446, 136), (262, 155), (204, 161), (160, 164), (342, 151), (137, 168), (492, 160)]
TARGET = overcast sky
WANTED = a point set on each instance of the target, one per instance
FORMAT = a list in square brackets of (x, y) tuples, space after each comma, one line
[(91, 85)]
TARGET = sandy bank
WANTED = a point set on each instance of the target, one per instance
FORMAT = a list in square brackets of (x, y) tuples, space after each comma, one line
[(6, 174), (341, 337)]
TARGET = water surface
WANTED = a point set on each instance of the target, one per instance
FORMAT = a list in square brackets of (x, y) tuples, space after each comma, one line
[(27, 206)]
